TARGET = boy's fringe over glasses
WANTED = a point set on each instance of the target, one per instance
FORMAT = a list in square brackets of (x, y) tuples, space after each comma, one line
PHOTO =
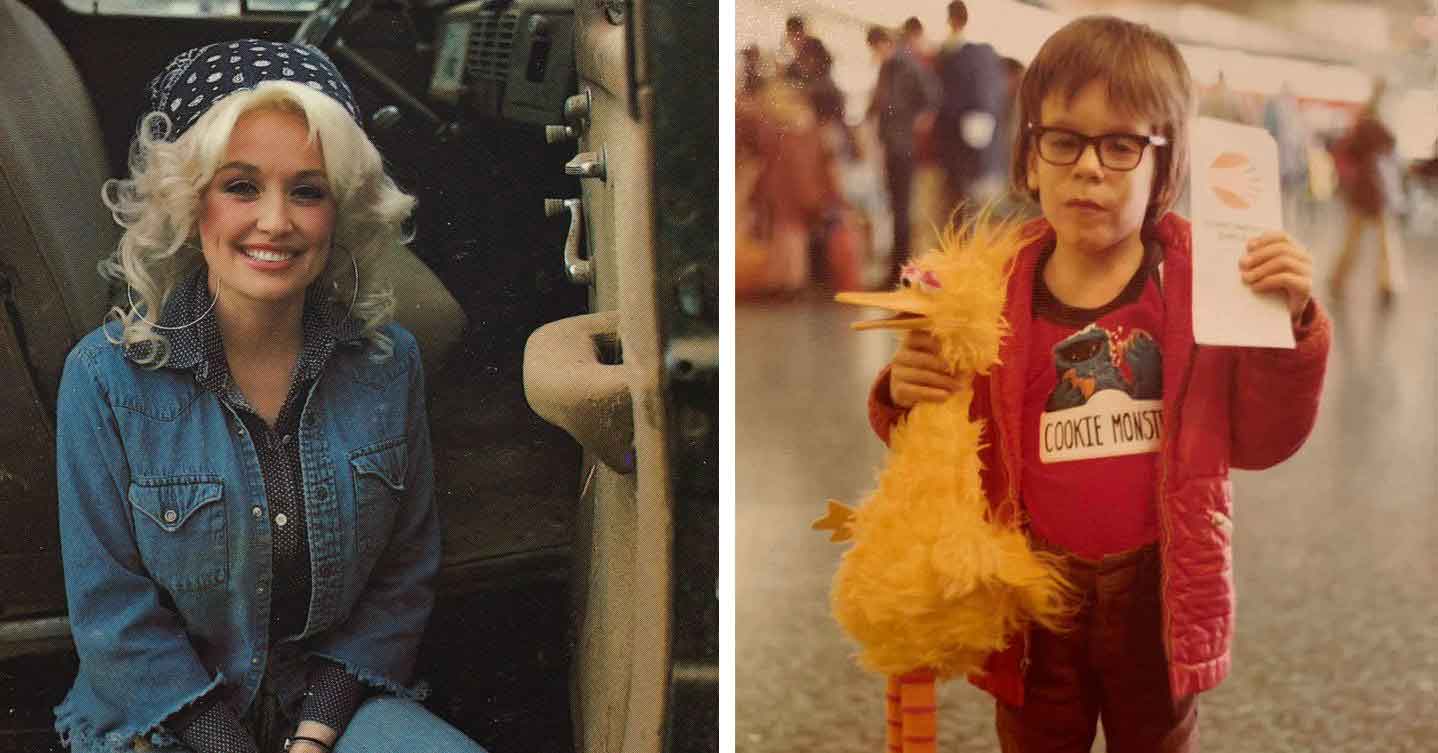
[(1116, 151)]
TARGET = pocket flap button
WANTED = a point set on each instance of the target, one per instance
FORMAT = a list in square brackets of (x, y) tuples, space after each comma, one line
[(171, 516)]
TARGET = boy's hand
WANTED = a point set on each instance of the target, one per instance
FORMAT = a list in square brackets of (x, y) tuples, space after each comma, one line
[(917, 373), (1275, 261)]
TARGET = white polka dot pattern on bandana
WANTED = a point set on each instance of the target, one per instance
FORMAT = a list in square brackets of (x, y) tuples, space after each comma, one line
[(198, 78)]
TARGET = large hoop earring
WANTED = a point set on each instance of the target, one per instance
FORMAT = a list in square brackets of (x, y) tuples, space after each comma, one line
[(355, 264), (130, 297)]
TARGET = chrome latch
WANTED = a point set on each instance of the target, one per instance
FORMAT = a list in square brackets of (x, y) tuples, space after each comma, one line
[(579, 271), (587, 165)]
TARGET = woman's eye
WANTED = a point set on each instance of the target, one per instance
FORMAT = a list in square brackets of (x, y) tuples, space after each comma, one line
[(241, 188), (309, 193)]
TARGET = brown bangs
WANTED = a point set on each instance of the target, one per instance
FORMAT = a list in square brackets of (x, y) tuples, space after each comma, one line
[(1146, 77)]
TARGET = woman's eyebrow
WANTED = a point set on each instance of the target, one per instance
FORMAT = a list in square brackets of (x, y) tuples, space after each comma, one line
[(243, 167), (248, 169)]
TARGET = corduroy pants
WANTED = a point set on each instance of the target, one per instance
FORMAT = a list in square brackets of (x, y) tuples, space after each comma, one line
[(1110, 669)]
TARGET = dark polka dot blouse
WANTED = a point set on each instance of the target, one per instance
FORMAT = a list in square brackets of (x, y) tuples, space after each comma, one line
[(333, 694)]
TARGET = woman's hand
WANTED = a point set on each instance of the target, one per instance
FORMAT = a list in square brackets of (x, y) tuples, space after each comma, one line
[(1275, 261), (307, 728), (917, 373)]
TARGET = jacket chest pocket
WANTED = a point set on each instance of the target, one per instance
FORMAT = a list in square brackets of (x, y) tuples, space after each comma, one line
[(379, 488), (180, 531)]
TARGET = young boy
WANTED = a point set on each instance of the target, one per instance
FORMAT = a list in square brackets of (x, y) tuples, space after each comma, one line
[(1107, 425)]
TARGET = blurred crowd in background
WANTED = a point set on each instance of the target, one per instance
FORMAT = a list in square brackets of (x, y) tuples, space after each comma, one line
[(837, 196)]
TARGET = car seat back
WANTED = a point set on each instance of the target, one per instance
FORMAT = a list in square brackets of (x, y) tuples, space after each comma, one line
[(53, 230)]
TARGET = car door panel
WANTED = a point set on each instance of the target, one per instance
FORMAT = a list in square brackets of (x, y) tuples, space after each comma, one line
[(627, 566)]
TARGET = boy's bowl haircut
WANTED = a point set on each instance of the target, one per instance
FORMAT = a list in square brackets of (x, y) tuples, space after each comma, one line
[(1147, 78)]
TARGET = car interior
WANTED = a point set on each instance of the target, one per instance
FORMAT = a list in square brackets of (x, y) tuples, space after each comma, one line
[(561, 281)]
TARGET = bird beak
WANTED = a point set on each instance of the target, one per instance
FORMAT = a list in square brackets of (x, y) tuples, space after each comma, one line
[(904, 303)]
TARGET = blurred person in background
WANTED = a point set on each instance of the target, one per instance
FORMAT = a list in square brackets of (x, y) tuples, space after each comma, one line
[(751, 70), (911, 38), (1370, 179), (748, 117), (1222, 102), (1008, 122), (784, 179), (793, 42), (838, 239), (904, 100), (811, 73), (930, 206), (1283, 119), (976, 96)]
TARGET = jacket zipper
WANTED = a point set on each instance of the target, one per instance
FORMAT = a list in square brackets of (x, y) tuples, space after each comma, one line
[(1166, 445), (1010, 471), (1166, 529), (1013, 492)]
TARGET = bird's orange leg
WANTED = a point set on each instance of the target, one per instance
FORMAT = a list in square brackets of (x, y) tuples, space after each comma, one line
[(893, 719), (918, 706)]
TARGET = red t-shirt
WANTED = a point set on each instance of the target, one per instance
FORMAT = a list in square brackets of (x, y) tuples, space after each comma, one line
[(1093, 416)]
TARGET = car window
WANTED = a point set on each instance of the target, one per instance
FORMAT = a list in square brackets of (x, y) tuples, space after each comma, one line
[(188, 7)]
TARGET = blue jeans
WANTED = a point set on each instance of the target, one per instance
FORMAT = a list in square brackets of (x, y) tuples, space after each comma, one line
[(386, 724), (383, 724)]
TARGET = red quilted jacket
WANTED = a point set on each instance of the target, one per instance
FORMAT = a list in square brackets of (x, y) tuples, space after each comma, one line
[(1246, 408)]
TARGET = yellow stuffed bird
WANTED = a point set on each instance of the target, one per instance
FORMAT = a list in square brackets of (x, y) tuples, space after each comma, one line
[(933, 583)]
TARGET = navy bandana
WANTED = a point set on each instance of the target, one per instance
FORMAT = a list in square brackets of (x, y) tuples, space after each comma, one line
[(198, 78)]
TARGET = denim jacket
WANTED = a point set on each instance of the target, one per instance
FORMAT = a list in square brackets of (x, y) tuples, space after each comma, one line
[(165, 536)]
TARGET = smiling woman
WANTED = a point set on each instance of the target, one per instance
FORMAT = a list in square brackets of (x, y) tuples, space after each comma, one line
[(232, 445), (180, 182), (267, 216)]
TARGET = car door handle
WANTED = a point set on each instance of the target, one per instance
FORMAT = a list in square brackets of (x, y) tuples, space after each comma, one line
[(574, 378), (579, 271), (589, 165)]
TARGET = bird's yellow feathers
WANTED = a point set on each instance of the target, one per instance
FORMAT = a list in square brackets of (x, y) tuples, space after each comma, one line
[(934, 581), (956, 291)]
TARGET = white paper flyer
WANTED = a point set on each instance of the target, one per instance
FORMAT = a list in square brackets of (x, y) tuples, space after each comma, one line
[(1233, 197)]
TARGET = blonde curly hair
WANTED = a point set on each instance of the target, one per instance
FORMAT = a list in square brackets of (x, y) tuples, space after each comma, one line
[(159, 203)]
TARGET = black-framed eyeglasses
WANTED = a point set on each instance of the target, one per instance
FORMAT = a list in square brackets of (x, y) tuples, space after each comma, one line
[(1116, 151)]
